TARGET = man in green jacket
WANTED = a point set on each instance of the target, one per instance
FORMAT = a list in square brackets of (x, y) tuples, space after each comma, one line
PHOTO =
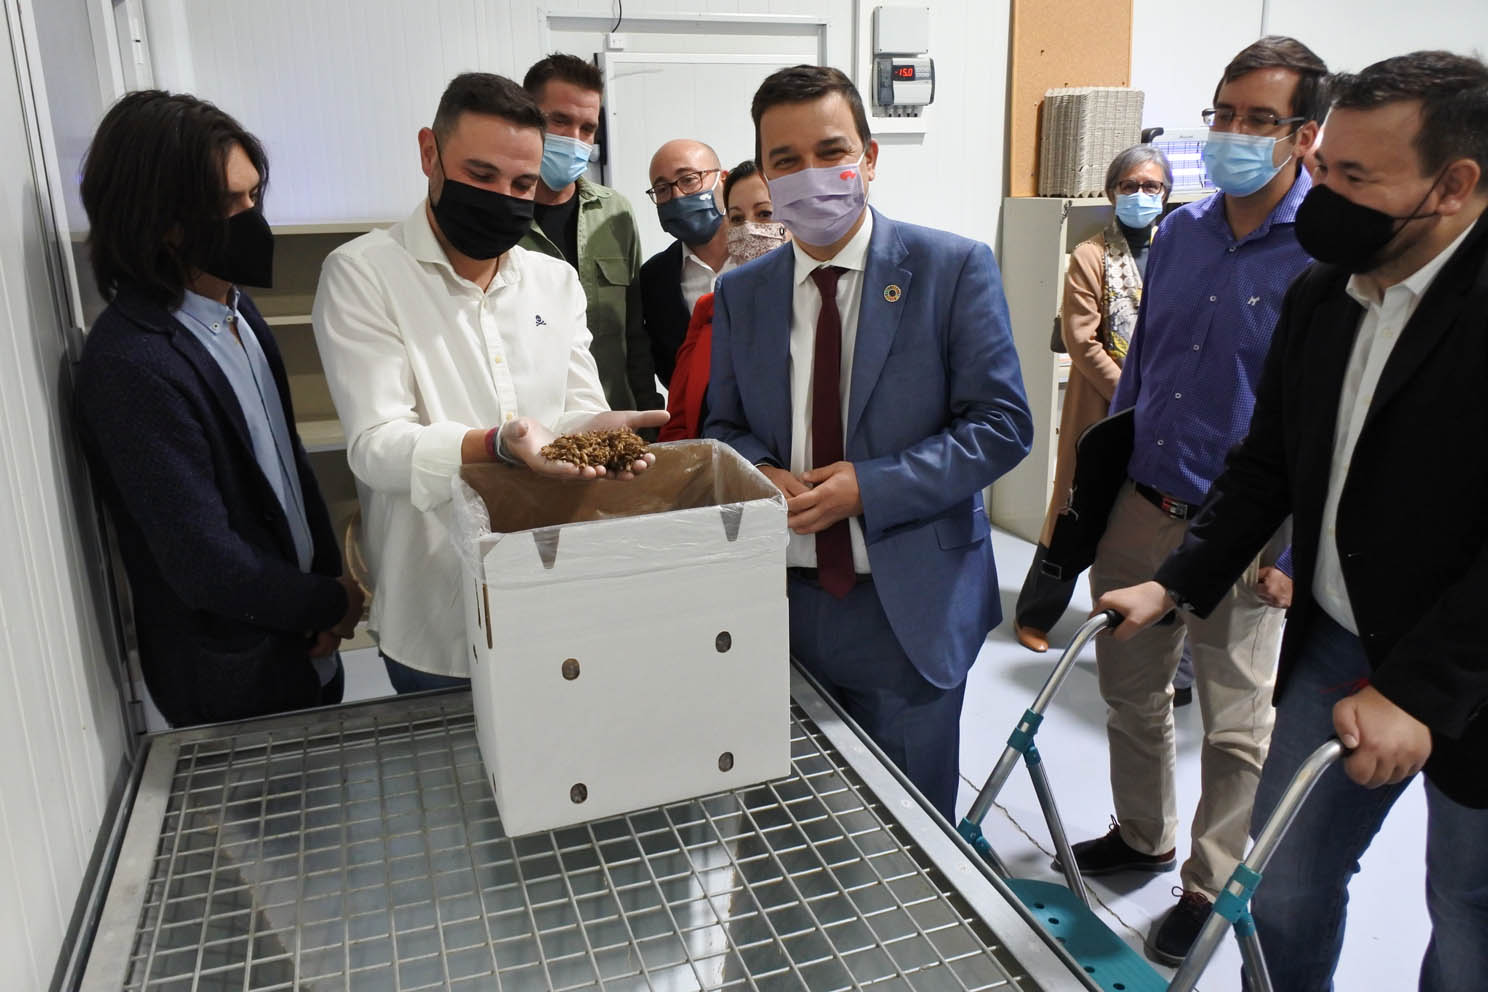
[(591, 226)]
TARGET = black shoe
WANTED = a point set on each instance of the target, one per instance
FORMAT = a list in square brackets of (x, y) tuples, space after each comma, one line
[(1110, 853), (1170, 938), (1183, 696)]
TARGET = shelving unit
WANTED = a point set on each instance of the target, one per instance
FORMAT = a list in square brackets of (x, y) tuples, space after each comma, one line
[(1038, 234), (298, 253)]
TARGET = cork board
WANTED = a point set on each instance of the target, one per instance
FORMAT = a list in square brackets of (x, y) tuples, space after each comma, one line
[(1059, 43)]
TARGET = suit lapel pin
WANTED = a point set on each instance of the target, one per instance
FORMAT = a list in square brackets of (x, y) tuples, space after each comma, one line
[(892, 293)]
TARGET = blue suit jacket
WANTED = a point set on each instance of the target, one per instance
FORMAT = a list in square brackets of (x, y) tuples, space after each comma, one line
[(222, 609), (936, 412)]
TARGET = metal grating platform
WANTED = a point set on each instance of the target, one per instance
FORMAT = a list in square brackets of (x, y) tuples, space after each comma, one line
[(360, 849)]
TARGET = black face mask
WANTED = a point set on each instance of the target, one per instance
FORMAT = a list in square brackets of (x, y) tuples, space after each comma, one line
[(246, 257), (480, 223), (1336, 230)]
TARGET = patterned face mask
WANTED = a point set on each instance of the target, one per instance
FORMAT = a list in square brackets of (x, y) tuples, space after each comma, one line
[(752, 239)]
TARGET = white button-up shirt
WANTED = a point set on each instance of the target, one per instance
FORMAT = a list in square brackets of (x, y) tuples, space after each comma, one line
[(1379, 329), (805, 309), (415, 357), (698, 278)]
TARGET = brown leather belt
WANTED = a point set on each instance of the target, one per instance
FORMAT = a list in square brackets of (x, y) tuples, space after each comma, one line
[(1175, 508)]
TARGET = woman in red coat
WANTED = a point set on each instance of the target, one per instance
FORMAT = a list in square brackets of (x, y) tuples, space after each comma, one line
[(751, 233)]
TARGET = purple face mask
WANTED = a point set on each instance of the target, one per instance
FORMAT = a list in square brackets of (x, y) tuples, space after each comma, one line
[(819, 205)]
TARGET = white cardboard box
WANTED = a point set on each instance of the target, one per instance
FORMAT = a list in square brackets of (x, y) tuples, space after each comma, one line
[(630, 641)]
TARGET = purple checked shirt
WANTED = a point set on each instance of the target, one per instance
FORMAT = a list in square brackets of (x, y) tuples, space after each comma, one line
[(1209, 306)]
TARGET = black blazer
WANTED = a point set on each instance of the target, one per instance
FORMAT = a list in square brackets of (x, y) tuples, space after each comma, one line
[(663, 308), (1412, 527), (222, 609)]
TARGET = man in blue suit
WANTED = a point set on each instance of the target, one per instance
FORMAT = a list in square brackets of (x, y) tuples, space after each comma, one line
[(869, 371)]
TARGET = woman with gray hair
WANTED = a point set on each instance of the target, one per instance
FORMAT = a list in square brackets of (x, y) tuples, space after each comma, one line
[(1102, 289)]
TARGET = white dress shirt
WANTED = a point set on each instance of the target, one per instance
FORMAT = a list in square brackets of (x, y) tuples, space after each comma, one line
[(415, 357), (698, 277), (805, 308), (1379, 329)]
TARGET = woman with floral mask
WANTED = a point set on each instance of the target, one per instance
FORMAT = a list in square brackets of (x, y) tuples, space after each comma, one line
[(1101, 292), (751, 233)]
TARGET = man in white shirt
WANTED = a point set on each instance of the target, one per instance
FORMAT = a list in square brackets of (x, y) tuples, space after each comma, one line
[(687, 188), (1369, 430), (446, 344)]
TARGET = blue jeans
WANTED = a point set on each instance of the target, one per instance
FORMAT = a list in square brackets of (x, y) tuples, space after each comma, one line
[(405, 679), (1301, 905)]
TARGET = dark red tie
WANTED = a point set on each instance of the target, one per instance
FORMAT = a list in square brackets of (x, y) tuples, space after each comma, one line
[(834, 563)]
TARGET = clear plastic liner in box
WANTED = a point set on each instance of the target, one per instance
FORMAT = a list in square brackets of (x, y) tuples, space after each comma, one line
[(493, 503)]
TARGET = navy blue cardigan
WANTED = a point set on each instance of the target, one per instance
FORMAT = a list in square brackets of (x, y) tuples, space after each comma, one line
[(224, 614)]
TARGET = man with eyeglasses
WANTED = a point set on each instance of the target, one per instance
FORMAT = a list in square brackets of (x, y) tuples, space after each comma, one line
[(687, 188), (592, 227), (1215, 281)]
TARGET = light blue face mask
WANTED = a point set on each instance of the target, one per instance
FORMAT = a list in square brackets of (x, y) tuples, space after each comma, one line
[(1137, 210), (1238, 163), (564, 160)]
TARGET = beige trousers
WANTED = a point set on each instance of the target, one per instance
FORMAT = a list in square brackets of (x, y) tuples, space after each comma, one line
[(1234, 658)]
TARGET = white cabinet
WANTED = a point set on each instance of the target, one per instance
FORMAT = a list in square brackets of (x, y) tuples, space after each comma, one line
[(1038, 233)]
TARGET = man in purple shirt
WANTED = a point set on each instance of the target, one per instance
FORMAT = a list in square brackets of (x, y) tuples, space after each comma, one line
[(1216, 276)]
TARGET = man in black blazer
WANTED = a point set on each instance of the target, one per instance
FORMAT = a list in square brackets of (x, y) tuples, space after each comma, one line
[(184, 411), (687, 188), (1369, 429)]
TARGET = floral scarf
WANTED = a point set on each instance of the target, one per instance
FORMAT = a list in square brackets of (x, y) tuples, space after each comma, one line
[(1122, 292)]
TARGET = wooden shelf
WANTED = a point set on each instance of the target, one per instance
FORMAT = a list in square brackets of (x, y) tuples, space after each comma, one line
[(321, 435), (274, 305), (331, 227), (288, 320)]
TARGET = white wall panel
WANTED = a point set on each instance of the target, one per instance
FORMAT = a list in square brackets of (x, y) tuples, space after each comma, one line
[(1350, 34), (1178, 52), (338, 89), (61, 725)]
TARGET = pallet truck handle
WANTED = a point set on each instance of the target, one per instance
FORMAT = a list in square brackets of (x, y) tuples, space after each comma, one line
[(1233, 904)]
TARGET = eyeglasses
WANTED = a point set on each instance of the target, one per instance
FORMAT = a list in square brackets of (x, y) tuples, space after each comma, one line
[(684, 185), (1150, 186), (1226, 116)]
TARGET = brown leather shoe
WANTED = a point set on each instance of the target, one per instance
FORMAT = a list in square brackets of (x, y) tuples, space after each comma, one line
[(1033, 640)]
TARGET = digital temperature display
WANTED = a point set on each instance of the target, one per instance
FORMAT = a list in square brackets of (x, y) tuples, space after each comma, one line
[(904, 72)]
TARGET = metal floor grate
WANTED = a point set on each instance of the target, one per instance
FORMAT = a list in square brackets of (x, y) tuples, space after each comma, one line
[(369, 855)]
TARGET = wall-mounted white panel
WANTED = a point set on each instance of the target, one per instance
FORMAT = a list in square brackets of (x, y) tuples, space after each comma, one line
[(338, 90), (1179, 51), (1350, 34), (654, 98), (61, 722)]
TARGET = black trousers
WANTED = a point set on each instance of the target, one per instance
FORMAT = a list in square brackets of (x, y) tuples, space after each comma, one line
[(1043, 600)]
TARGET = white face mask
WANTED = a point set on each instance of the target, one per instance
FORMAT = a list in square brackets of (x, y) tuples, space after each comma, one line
[(752, 239)]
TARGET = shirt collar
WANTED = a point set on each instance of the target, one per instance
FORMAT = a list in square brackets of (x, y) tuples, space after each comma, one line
[(421, 242), (1415, 285), (1285, 212), (852, 256), (688, 255), (208, 312)]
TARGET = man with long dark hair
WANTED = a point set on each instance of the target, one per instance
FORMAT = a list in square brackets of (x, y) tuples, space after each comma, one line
[(184, 410)]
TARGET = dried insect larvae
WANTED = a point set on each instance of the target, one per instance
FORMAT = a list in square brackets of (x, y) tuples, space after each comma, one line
[(615, 449)]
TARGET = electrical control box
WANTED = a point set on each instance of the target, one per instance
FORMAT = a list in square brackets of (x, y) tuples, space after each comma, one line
[(903, 85), (903, 71)]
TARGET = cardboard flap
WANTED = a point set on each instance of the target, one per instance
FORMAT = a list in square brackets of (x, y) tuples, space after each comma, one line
[(492, 502)]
